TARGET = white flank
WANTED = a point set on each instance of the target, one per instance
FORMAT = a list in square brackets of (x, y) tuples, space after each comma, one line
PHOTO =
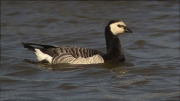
[(42, 56), (117, 30), (90, 60), (67, 58)]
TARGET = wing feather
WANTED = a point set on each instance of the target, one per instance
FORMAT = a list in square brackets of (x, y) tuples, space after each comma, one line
[(74, 51), (73, 55)]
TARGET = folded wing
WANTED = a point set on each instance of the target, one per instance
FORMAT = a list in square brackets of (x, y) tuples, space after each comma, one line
[(72, 55)]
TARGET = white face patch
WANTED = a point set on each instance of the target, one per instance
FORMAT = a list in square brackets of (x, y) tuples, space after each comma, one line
[(115, 29)]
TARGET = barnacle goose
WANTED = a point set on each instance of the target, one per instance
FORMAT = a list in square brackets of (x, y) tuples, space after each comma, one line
[(80, 55)]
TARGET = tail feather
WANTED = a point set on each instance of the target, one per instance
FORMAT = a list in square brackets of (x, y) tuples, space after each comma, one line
[(28, 45), (37, 49), (31, 46)]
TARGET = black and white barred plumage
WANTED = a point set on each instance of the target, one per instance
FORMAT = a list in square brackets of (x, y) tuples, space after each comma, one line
[(80, 55), (77, 55)]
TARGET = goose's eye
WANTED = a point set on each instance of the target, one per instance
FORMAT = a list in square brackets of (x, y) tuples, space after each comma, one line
[(119, 25)]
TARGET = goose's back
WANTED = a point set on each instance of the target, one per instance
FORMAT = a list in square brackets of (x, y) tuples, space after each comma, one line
[(74, 55)]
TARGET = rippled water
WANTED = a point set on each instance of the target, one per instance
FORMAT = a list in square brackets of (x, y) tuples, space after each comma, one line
[(151, 70)]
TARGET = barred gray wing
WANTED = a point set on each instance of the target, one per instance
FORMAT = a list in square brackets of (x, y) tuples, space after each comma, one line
[(74, 51)]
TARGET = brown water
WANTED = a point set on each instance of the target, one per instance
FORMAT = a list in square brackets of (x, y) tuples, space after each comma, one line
[(151, 70)]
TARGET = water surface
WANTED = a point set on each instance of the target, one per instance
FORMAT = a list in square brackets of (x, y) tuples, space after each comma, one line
[(151, 70)]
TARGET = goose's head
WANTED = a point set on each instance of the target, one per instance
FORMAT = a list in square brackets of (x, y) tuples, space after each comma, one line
[(118, 27)]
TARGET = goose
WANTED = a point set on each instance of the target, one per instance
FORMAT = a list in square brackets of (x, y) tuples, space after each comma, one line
[(52, 54)]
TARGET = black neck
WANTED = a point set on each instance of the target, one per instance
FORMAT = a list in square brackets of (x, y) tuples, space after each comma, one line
[(113, 45)]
